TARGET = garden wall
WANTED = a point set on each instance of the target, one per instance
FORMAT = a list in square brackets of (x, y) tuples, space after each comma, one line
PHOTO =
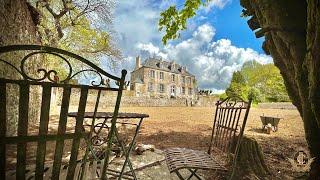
[(129, 100), (277, 105)]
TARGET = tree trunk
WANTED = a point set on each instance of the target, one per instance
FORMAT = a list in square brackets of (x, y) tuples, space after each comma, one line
[(313, 62), (17, 26), (250, 162), (292, 37)]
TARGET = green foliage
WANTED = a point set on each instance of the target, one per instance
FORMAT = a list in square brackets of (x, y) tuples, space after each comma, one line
[(174, 20), (238, 87), (223, 96), (261, 82), (255, 95), (67, 25), (79, 33)]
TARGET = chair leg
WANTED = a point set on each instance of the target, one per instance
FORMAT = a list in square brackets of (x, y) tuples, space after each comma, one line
[(179, 175), (193, 173)]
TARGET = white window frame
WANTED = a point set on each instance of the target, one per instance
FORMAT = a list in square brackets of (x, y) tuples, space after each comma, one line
[(152, 73), (161, 88), (150, 86), (183, 90), (173, 89), (161, 75), (183, 79), (173, 78)]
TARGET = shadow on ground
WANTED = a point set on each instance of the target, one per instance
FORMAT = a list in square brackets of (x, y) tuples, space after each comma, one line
[(276, 150)]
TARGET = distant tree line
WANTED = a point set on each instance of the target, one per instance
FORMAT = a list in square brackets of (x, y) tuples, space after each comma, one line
[(205, 92)]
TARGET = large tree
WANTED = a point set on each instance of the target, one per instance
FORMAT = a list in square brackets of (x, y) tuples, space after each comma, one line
[(17, 26), (67, 24), (292, 37), (79, 26)]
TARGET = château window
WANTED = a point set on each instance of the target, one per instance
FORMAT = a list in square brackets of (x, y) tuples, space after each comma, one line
[(173, 90), (183, 79), (151, 73), (161, 88), (172, 77), (190, 91), (161, 75), (183, 90), (150, 86), (189, 80)]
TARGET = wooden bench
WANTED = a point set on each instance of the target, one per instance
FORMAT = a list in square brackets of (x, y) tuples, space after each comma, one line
[(78, 165), (225, 133)]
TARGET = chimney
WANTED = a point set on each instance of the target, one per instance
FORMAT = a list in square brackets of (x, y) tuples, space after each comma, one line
[(160, 63), (138, 63)]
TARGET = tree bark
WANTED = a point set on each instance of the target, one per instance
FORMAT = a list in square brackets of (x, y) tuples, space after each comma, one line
[(250, 161), (292, 37), (17, 26)]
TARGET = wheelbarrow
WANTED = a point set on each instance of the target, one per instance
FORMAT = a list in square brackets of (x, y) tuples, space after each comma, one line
[(274, 121)]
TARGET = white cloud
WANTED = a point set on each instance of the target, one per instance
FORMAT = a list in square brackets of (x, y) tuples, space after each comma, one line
[(212, 62), (220, 4), (204, 33), (149, 49), (136, 22)]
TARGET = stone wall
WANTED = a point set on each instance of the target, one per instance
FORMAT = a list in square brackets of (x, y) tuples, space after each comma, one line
[(278, 105), (129, 100), (206, 101)]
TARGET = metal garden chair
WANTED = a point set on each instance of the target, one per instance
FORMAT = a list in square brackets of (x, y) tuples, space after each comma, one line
[(226, 132), (78, 165)]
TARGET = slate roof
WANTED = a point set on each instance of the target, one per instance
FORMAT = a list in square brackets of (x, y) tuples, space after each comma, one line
[(166, 66)]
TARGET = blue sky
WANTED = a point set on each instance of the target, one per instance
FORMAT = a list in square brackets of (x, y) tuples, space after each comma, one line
[(230, 25), (217, 42)]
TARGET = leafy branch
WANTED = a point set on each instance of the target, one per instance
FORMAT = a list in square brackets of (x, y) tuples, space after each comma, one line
[(174, 20)]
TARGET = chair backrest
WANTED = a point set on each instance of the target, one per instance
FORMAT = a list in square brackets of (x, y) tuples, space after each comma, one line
[(61, 142), (228, 125)]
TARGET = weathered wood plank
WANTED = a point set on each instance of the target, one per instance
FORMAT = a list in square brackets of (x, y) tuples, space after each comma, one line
[(43, 130), (3, 128), (78, 129), (61, 131), (22, 129)]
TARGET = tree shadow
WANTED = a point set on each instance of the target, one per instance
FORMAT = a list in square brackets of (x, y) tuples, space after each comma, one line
[(276, 150)]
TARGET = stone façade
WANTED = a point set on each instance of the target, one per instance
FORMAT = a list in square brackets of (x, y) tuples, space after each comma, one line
[(158, 78)]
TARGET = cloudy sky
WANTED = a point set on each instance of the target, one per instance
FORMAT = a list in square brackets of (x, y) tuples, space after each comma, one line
[(216, 43)]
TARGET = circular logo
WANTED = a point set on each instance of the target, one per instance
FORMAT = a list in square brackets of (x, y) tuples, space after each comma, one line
[(301, 160)]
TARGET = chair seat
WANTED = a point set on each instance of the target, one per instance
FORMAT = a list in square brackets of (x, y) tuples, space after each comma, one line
[(179, 158)]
